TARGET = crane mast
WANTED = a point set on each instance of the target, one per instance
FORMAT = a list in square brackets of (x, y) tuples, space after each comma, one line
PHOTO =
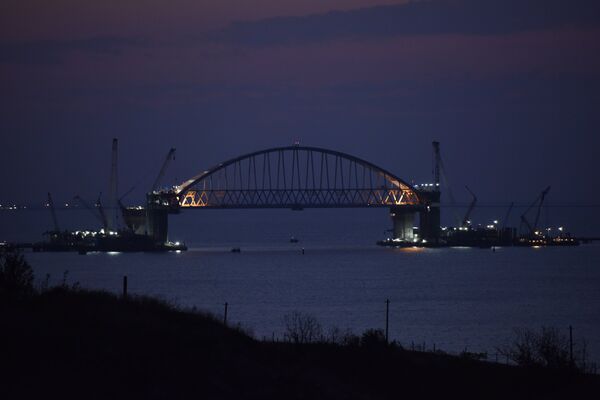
[(437, 160), (113, 187)]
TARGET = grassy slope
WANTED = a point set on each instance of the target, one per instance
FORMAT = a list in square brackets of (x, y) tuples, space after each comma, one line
[(93, 345)]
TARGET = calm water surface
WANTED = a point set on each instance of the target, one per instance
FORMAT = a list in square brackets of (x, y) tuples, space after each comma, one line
[(456, 298)]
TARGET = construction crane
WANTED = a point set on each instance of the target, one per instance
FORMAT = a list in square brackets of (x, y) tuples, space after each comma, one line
[(437, 164), (539, 201), (102, 213), (113, 187), (440, 177), (505, 220), (163, 169), (465, 221), (53, 212), (99, 216)]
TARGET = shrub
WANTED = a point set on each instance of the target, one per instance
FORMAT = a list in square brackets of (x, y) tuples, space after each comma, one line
[(16, 275), (302, 328), (373, 338), (547, 348), (343, 338)]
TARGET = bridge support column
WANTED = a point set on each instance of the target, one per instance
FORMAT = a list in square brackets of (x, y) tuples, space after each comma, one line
[(403, 219), (157, 219), (429, 218), (158, 224)]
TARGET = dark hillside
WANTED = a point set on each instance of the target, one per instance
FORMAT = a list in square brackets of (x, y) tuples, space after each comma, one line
[(81, 344)]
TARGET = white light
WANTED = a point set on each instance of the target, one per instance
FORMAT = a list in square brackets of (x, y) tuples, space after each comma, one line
[(176, 243), (496, 221), (560, 228)]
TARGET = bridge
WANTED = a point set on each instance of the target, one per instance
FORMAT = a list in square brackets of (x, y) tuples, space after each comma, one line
[(298, 177)]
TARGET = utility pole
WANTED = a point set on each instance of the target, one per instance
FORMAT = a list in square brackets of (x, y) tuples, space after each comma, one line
[(387, 319), (225, 314)]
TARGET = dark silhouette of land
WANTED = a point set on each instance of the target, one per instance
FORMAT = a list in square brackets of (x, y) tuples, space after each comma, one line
[(66, 342), (69, 343)]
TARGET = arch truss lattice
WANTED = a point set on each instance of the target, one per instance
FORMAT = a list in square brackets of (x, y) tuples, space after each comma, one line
[(295, 177)]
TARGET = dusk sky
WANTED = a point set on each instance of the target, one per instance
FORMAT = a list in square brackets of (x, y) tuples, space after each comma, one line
[(510, 88)]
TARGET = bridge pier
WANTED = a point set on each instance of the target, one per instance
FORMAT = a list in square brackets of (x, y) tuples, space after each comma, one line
[(429, 217), (158, 224), (403, 219), (157, 219)]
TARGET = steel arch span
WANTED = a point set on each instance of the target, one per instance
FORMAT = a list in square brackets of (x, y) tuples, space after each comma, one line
[(295, 177)]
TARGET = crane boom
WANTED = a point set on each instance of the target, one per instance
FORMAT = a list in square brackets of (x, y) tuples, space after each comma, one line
[(539, 209), (88, 207), (53, 212), (539, 201), (505, 221), (103, 218), (440, 177), (163, 169), (471, 207)]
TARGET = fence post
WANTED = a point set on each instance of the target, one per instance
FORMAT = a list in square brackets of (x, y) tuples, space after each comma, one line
[(225, 314)]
